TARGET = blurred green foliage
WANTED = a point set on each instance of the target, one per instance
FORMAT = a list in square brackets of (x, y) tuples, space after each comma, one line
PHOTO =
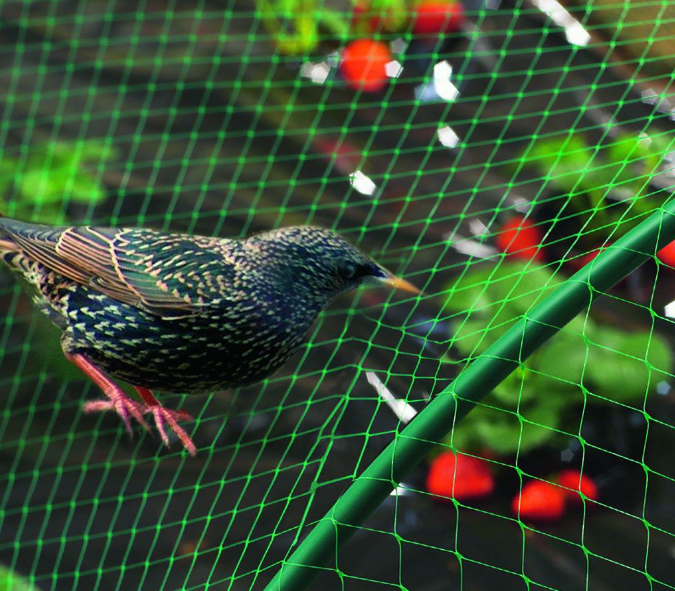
[(295, 25), (586, 362), (602, 180), (11, 581), (37, 186)]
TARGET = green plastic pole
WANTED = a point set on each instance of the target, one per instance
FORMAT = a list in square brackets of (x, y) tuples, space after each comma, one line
[(433, 423)]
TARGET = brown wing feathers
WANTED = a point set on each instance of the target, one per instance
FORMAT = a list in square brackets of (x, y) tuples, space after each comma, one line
[(105, 261), (100, 259)]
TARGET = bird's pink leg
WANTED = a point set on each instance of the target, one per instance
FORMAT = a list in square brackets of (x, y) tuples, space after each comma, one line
[(117, 399), (170, 417), (127, 408)]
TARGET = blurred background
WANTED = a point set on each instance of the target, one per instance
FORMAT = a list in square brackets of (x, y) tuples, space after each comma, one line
[(484, 150)]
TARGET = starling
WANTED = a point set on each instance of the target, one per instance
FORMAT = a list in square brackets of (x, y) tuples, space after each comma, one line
[(175, 312)]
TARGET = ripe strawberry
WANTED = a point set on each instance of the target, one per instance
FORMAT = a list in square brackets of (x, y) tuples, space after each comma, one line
[(459, 476), (539, 501), (667, 254), (434, 17), (521, 239), (363, 64), (577, 482)]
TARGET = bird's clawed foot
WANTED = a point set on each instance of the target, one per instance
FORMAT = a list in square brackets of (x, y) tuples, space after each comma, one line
[(128, 409), (124, 406), (164, 416)]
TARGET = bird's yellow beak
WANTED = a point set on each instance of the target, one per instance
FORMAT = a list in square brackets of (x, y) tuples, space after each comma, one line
[(398, 283)]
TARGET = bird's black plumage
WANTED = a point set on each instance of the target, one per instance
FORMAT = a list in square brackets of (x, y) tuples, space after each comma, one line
[(178, 312)]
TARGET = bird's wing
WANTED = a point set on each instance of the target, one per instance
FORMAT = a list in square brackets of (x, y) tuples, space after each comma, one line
[(170, 275)]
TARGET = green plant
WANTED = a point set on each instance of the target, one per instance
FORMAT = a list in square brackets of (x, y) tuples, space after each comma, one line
[(38, 186), (587, 361), (11, 581), (601, 181), (295, 25)]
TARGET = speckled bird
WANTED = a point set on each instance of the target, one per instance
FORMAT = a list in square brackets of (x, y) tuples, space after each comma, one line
[(181, 313)]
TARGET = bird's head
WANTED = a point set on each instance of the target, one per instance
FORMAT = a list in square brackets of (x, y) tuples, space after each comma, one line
[(320, 262)]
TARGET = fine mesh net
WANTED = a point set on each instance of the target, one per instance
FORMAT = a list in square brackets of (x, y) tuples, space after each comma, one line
[(226, 118)]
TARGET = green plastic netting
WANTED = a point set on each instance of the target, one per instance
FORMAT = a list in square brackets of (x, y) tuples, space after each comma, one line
[(225, 118)]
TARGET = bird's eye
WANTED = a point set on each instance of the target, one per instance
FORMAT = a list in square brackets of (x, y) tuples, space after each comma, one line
[(348, 270)]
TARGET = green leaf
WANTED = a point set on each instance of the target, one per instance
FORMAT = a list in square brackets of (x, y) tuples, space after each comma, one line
[(615, 364), (11, 581), (94, 152), (6, 181), (563, 161), (8, 166), (623, 166), (514, 285), (520, 387), (53, 174), (394, 13), (563, 358), (490, 300), (508, 432), (625, 366), (87, 189), (41, 186), (335, 21), (639, 157)]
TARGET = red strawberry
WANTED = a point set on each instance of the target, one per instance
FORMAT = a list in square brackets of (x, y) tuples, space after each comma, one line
[(667, 254), (521, 239), (433, 17), (363, 64), (459, 476), (539, 501), (577, 482)]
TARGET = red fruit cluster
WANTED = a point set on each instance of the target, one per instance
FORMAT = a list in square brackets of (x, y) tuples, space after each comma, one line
[(363, 64), (543, 501), (461, 477), (520, 238)]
